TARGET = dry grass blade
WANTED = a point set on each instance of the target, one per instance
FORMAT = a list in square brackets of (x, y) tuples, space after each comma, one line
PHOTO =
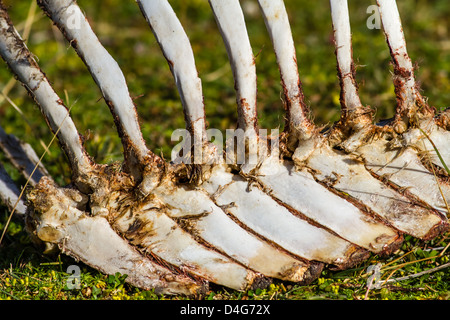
[(432, 167), (436, 150)]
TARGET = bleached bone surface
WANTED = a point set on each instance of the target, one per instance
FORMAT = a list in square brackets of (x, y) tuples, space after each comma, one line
[(277, 223), (215, 227), (22, 63), (92, 240), (176, 48), (277, 22), (405, 169), (332, 212), (329, 198), (104, 69), (230, 20)]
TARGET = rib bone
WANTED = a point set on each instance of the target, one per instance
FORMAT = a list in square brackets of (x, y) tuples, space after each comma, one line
[(348, 174), (242, 246), (409, 99), (108, 76), (23, 157), (277, 223), (178, 52), (342, 34), (272, 175), (277, 22), (230, 20), (22, 63), (77, 232)]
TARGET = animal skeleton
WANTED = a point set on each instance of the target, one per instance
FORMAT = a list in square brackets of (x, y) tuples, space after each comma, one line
[(328, 198)]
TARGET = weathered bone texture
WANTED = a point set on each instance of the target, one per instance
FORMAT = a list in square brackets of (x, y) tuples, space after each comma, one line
[(329, 198), (275, 16)]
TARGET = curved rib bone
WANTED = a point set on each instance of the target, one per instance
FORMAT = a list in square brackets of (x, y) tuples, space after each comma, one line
[(348, 174), (276, 223), (241, 246), (91, 240), (230, 20), (22, 156), (22, 63), (151, 226), (409, 100), (277, 22), (342, 37), (212, 225), (215, 225), (390, 160), (48, 220), (108, 76), (425, 133), (177, 49), (64, 224), (354, 116), (272, 175)]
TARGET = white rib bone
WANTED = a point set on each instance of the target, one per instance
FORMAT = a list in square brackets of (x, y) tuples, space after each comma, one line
[(241, 246), (332, 212), (396, 40), (24, 159), (230, 20), (280, 219), (175, 45), (398, 210), (160, 236), (373, 238), (92, 240), (408, 98), (214, 227), (404, 168), (105, 71), (430, 139), (177, 49), (261, 213), (178, 52), (21, 62), (349, 175), (390, 158), (354, 125), (342, 36), (277, 22), (439, 137), (381, 156)]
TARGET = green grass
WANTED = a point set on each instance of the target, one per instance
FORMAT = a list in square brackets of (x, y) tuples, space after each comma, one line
[(28, 274), (25, 273)]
